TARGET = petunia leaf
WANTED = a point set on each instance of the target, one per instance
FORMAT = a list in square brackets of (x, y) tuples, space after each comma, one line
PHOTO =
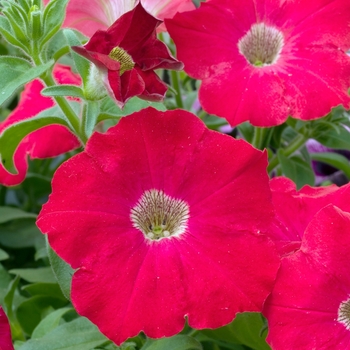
[(49, 323), (296, 169), (178, 342), (40, 274), (245, 329), (334, 139), (35, 306), (109, 110), (63, 90), (62, 271), (81, 63), (7, 33), (3, 255), (14, 134), (21, 233), (80, 334), (336, 160), (10, 213), (54, 14), (16, 72)]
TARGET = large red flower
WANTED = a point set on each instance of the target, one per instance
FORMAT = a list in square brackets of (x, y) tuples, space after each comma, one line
[(263, 61), (295, 209), (5, 332), (163, 225), (88, 17), (47, 142), (127, 54), (309, 307)]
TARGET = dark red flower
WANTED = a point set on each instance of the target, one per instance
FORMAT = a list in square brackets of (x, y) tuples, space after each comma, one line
[(46, 142), (126, 54), (5, 332), (161, 224)]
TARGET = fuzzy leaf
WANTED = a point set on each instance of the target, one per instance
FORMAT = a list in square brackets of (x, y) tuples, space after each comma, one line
[(14, 134), (16, 72)]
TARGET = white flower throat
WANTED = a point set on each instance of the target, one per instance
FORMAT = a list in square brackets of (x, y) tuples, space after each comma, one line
[(158, 215), (344, 314), (261, 45)]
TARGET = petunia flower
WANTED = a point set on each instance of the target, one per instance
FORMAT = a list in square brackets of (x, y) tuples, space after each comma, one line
[(163, 226), (309, 307), (46, 142), (5, 332), (295, 209), (126, 55), (100, 14), (262, 61)]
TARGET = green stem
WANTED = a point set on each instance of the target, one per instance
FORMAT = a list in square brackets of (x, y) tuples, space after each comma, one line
[(298, 142), (176, 85), (61, 101), (64, 105), (258, 137)]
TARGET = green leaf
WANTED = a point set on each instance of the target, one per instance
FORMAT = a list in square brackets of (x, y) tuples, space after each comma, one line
[(90, 119), (334, 139), (20, 234), (7, 32), (334, 159), (63, 90), (40, 274), (37, 307), (109, 110), (57, 46), (54, 15), (296, 169), (49, 289), (178, 342), (3, 255), (14, 134), (79, 334), (81, 63), (10, 213), (50, 322), (62, 271), (16, 72), (246, 329)]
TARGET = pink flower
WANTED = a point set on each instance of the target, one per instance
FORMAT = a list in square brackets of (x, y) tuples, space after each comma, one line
[(295, 209), (127, 54), (309, 307), (5, 332), (88, 17), (262, 61), (149, 228), (46, 142)]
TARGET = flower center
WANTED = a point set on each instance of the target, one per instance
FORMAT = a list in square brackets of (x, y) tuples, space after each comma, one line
[(262, 45), (344, 313), (158, 215), (125, 60)]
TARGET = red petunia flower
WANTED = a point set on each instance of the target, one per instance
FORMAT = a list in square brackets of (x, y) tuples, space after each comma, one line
[(163, 225), (127, 54), (88, 17), (5, 332), (309, 307), (262, 61), (295, 209), (46, 142)]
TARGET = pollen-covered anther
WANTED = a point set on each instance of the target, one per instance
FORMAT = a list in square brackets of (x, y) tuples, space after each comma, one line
[(125, 60), (344, 314), (158, 215), (261, 45)]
